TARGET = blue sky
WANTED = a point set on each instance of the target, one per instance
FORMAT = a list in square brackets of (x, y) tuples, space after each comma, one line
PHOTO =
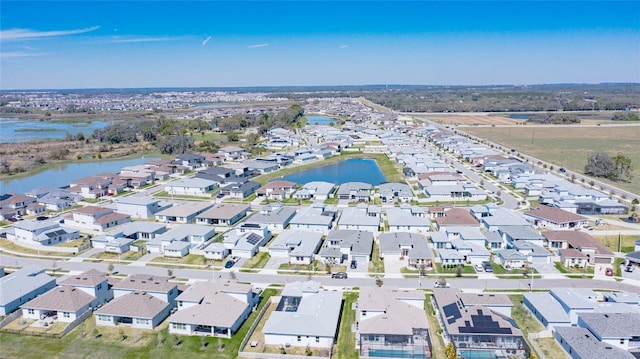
[(96, 44)]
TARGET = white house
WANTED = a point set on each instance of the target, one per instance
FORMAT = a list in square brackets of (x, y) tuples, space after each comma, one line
[(299, 246)]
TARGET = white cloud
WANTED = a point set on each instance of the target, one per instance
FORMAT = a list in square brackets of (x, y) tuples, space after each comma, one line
[(344, 46), (124, 40), (20, 34), (10, 54), (257, 45), (204, 42)]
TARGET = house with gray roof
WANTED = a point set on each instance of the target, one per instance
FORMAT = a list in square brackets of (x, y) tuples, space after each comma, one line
[(392, 322), (404, 220), (138, 309), (213, 308), (620, 330), (193, 235), (536, 254), (305, 316), (546, 309), (141, 230), (142, 207), (580, 343), (312, 219), (360, 218), (346, 245), (241, 190), (66, 304), (113, 242), (513, 234), (395, 191), (245, 240), (223, 214), (411, 246), (275, 216), (502, 218), (450, 257), (183, 212), (355, 191), (92, 282), (494, 240), (299, 246), (191, 187), (216, 250), (317, 190), (157, 286), (440, 240), (21, 286), (511, 259), (576, 301), (44, 233), (277, 190)]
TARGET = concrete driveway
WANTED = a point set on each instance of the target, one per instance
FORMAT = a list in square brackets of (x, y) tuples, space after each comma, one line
[(392, 267)]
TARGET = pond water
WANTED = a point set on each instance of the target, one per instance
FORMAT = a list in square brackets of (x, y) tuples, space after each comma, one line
[(16, 130), (320, 120), (351, 170), (59, 176), (520, 116)]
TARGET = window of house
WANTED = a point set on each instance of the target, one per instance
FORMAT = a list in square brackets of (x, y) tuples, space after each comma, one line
[(364, 313), (31, 311), (299, 338), (621, 341), (66, 314)]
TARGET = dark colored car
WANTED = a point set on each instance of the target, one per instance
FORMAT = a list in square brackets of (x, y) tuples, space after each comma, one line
[(220, 195), (42, 218), (354, 264), (487, 267), (339, 275), (229, 264)]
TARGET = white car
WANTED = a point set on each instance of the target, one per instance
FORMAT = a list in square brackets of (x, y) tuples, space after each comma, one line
[(478, 268), (439, 284)]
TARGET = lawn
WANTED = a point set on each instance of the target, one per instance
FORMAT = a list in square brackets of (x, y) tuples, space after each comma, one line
[(8, 245), (627, 243), (258, 261), (376, 265), (570, 147), (128, 256), (551, 349), (437, 343), (81, 343), (191, 259), (346, 347), (454, 270)]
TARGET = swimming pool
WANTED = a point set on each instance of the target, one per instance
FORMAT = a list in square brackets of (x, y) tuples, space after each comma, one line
[(389, 353), (477, 354)]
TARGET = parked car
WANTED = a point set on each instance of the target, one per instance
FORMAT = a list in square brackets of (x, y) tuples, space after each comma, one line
[(42, 218), (441, 283), (487, 267), (220, 195), (479, 268), (608, 272), (354, 264), (629, 268), (229, 264), (339, 275)]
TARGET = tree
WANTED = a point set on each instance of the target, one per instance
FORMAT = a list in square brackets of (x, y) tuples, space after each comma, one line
[(623, 167), (379, 282), (459, 270), (450, 351), (232, 136), (600, 164), (169, 272), (110, 268)]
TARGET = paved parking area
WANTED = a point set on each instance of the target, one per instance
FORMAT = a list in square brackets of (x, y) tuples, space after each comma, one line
[(392, 267)]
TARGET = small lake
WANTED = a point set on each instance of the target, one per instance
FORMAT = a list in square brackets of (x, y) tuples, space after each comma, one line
[(60, 175), (520, 116), (351, 170), (320, 120), (16, 130)]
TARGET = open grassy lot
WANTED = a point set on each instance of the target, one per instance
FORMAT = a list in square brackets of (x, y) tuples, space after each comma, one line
[(82, 342), (10, 246), (346, 347), (570, 146), (627, 243), (469, 119)]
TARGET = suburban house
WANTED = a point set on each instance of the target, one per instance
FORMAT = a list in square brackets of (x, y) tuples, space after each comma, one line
[(392, 191), (277, 190), (94, 218), (46, 233), (316, 190), (596, 252), (580, 343), (456, 217), (546, 309), (113, 242), (403, 245), (213, 308), (312, 219), (191, 187), (573, 258), (92, 282), (407, 220), (56, 199), (499, 217), (392, 323), (95, 186), (157, 286), (12, 204), (450, 257), (305, 316), (241, 190), (142, 230), (177, 241), (183, 212), (512, 234), (245, 240), (216, 250), (299, 246), (21, 286), (223, 214), (478, 328), (143, 207), (511, 259), (275, 216), (232, 152), (138, 309), (220, 175), (361, 217), (190, 160), (355, 191), (555, 218), (64, 304), (345, 245), (621, 330)]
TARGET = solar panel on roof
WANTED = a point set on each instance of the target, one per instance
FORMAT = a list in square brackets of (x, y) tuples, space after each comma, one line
[(451, 312), (253, 238)]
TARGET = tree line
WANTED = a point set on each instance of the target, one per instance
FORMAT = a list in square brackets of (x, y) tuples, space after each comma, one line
[(617, 168)]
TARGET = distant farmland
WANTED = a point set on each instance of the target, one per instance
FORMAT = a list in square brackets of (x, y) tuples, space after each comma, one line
[(570, 146)]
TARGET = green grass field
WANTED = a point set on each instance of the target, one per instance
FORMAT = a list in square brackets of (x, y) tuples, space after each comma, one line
[(570, 146)]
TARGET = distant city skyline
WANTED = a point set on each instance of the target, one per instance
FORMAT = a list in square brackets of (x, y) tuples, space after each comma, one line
[(104, 44)]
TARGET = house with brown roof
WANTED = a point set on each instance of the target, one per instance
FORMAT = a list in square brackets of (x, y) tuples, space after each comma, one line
[(157, 286), (92, 186), (213, 308), (392, 322), (12, 204), (64, 304), (138, 309), (455, 217), (92, 282), (223, 214), (554, 218), (94, 218), (277, 190), (571, 257), (596, 252)]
